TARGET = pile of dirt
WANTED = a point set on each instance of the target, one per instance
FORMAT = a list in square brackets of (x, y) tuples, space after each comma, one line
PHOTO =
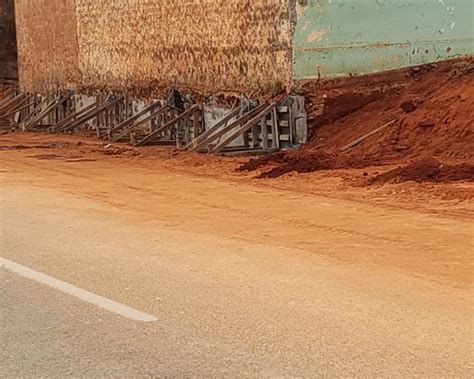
[(427, 170), (432, 107), (281, 163)]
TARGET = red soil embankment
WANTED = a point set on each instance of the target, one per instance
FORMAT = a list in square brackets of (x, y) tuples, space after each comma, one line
[(433, 106)]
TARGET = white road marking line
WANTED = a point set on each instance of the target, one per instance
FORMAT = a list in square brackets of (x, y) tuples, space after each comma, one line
[(88, 297)]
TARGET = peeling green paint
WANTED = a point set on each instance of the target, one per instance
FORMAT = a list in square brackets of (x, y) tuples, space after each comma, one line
[(343, 37)]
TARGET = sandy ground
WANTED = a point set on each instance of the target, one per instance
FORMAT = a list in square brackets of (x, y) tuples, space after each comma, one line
[(422, 230)]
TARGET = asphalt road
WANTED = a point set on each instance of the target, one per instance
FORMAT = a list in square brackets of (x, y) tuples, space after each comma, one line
[(223, 308)]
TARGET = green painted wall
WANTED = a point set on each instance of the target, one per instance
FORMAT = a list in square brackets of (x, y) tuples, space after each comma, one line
[(342, 37)]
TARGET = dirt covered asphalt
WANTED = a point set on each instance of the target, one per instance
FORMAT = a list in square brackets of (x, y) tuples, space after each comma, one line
[(425, 229), (227, 302)]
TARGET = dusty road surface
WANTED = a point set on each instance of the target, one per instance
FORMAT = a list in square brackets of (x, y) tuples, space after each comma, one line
[(118, 268)]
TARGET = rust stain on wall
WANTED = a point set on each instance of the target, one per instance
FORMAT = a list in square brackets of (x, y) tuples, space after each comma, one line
[(47, 44)]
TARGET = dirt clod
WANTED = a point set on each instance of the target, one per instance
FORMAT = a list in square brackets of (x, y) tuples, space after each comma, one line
[(408, 106), (425, 124), (427, 170)]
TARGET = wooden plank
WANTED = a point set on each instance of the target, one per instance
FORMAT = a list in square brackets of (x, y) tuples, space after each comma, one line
[(82, 114), (243, 129), (163, 142), (194, 145), (10, 95), (196, 128), (9, 101), (255, 133), (75, 115), (12, 103), (68, 110), (36, 109), (133, 118), (167, 125), (291, 126), (93, 114), (232, 125), (246, 139), (128, 108), (100, 115), (246, 151), (12, 108), (120, 115), (23, 114), (264, 132), (45, 111), (16, 110), (138, 123), (53, 105), (365, 136), (275, 130)]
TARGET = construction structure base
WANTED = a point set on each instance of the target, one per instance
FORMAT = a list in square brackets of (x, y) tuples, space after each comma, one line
[(247, 128)]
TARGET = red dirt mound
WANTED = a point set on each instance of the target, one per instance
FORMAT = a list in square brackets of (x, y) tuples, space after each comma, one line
[(427, 170), (433, 109), (283, 163)]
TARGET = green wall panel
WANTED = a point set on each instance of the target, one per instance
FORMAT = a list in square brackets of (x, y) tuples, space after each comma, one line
[(343, 37)]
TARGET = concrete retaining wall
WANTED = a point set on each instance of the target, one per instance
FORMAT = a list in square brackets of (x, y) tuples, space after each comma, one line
[(207, 46), (47, 44)]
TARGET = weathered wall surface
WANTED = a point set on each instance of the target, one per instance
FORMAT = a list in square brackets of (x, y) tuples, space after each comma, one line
[(47, 44), (229, 46), (205, 45), (208, 46), (8, 55), (342, 37)]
